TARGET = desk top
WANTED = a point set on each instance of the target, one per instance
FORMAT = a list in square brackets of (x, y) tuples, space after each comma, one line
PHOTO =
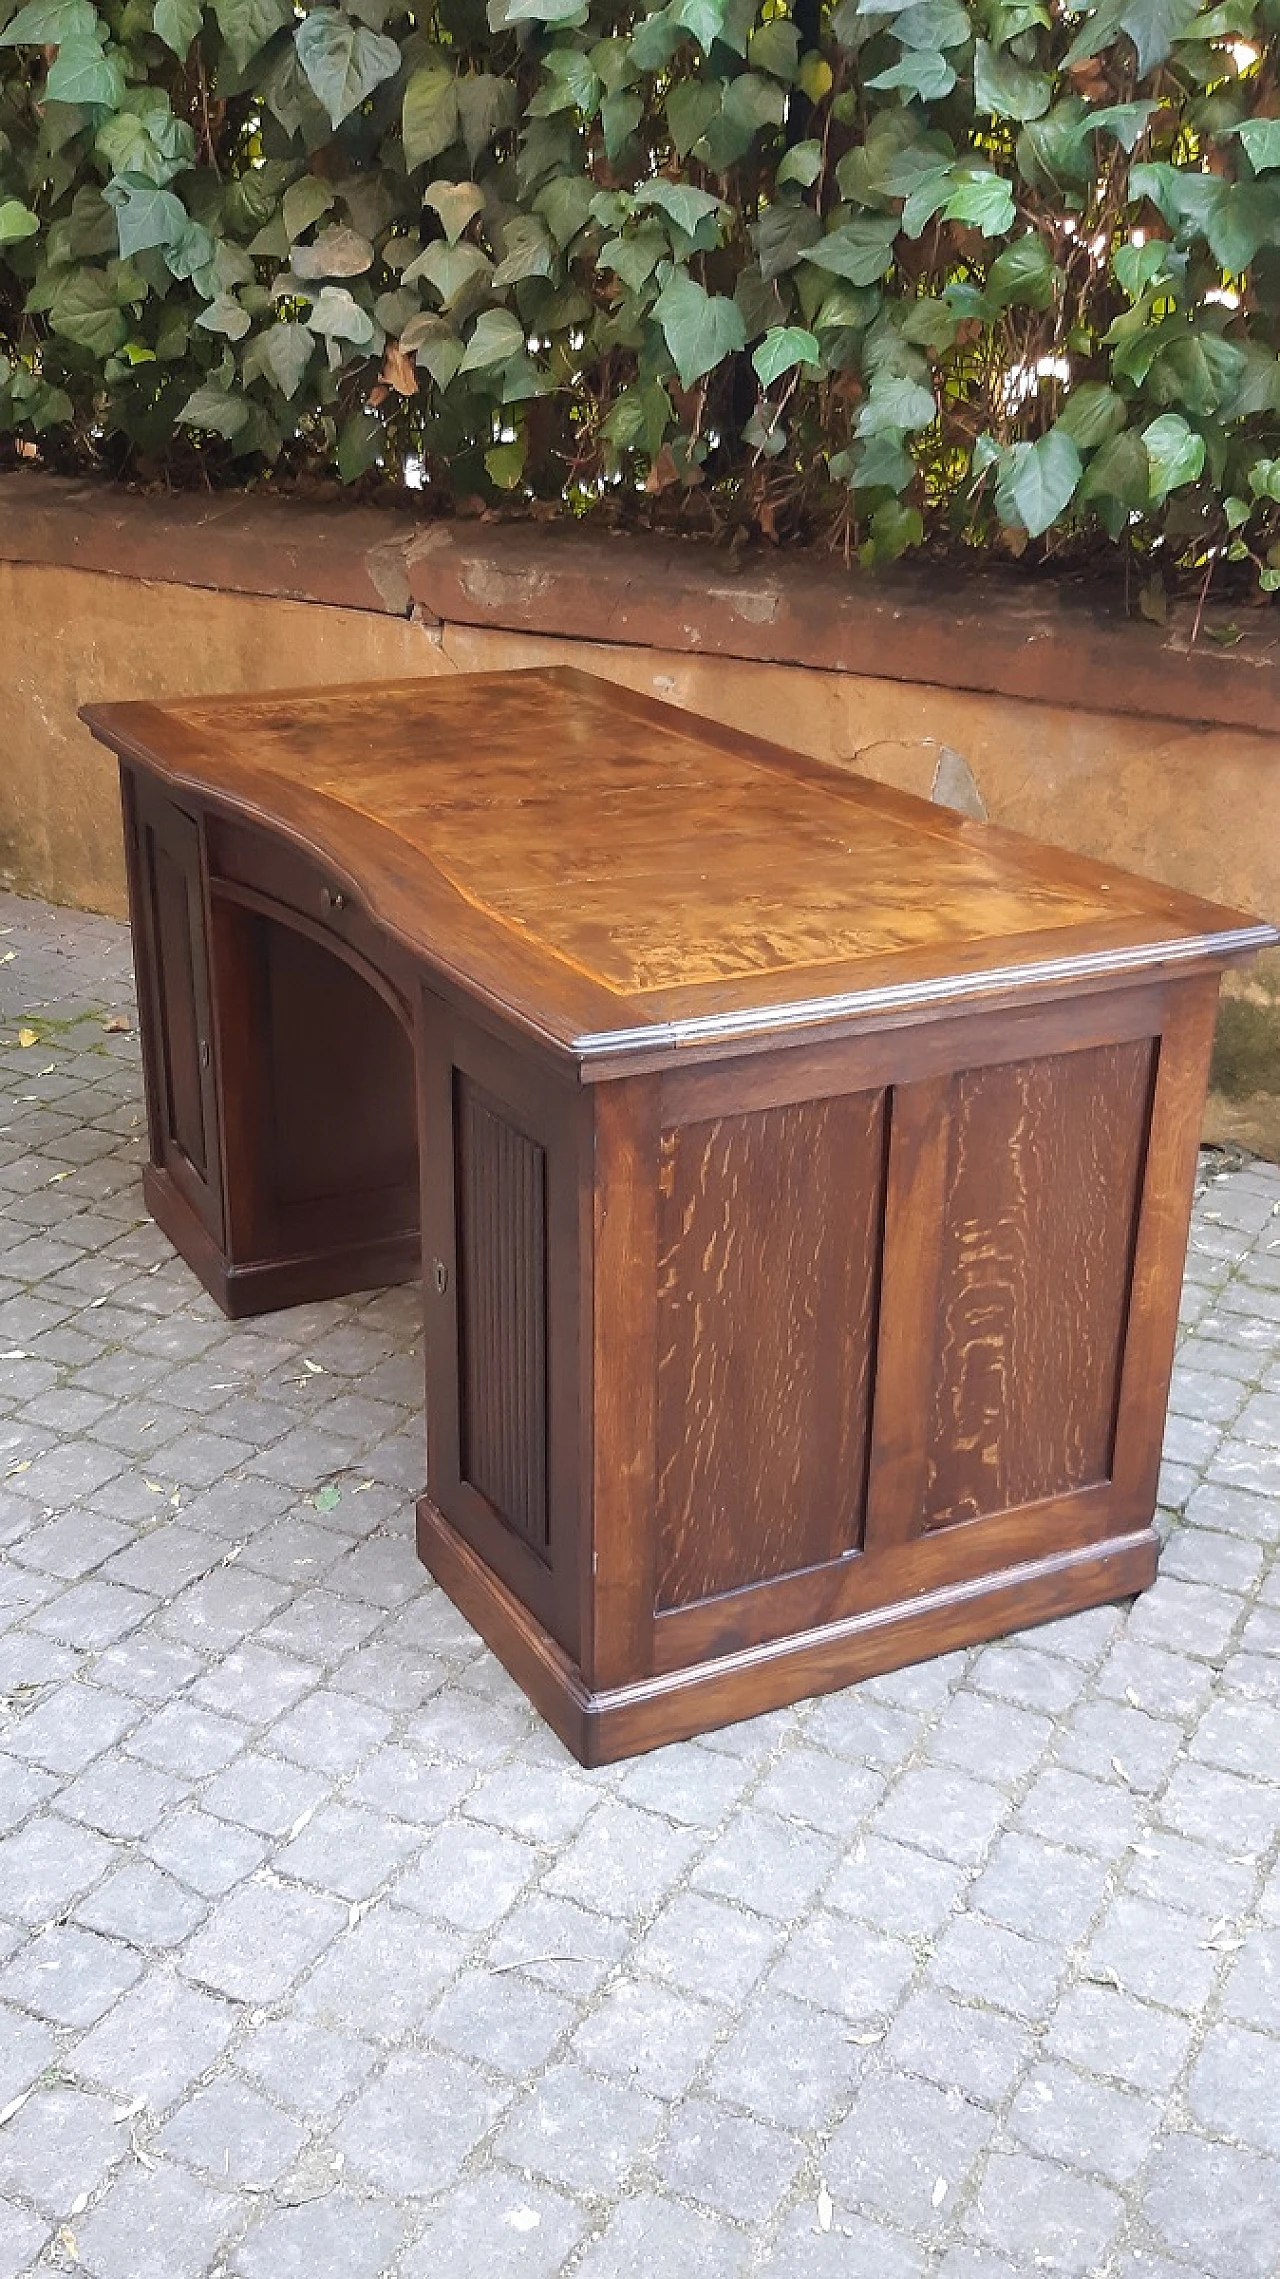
[(624, 878)]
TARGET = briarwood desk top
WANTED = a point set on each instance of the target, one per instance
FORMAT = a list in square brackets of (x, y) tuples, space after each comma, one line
[(628, 883)]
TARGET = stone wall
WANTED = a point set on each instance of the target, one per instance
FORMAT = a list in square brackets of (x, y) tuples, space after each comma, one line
[(1048, 712)]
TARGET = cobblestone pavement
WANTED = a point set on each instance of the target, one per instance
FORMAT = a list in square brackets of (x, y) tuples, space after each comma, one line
[(319, 1958)]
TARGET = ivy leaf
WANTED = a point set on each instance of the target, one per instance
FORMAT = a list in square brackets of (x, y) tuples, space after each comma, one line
[(565, 205), (1261, 139), (986, 201), (1175, 454), (359, 443), (225, 315), (177, 23), (691, 106), (215, 410), (923, 73), (1120, 472), (783, 233), (343, 62), (704, 18), (17, 221), (145, 216), (85, 307), (680, 202), (634, 259), (802, 164), (1006, 88), (452, 269), (457, 203), (47, 23), (1154, 25), (497, 337), (337, 315), (896, 405), (286, 352), (781, 351), (247, 25), (337, 252), (305, 202), (860, 250), (1091, 415), (485, 106), (435, 346), (1037, 482), (1124, 122), (82, 73), (429, 115), (1022, 275), (700, 328)]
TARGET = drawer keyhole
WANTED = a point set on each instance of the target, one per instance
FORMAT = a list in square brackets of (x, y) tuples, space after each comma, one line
[(440, 1276), (331, 900)]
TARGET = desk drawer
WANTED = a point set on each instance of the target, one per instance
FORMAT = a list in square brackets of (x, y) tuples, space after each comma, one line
[(303, 887)]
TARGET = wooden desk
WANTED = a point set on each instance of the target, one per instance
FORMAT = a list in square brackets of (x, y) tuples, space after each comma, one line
[(804, 1170)]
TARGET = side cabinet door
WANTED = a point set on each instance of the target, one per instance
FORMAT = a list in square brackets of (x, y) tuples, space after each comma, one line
[(169, 919), (505, 1176)]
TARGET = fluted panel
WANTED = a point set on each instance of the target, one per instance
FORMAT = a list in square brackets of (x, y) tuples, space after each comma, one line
[(502, 1270)]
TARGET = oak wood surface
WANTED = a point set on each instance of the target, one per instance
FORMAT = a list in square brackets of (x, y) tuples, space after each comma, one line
[(604, 867)]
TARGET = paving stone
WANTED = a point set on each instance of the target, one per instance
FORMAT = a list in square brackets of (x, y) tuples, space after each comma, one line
[(147, 1666), (544, 1804), (557, 1943), (1039, 2215), (957, 2046), (217, 1613), (1177, 1873), (861, 1975), (1252, 1991), (1108, 2033), (871, 1732), (258, 1939), (1146, 1949), (984, 1962), (47, 1865), (411, 1787), (26, 2046), (501, 2021), (21, 2238), (1110, 1742), (156, 2223), (654, 2234), (120, 1797), (649, 2035), (348, 1851), (853, 2245), (67, 1732), (578, 2131), (994, 1740), (767, 1865), (732, 2165), (1017, 1672), (262, 1793), (787, 2063), (1039, 1890), (185, 1739), (1242, 1737), (811, 1785), (142, 1906), (1087, 2123), (467, 1875), (902, 2139), (160, 2038), (59, 2144), (1211, 1806), (622, 1861), (1089, 1815), (329, 1732), (72, 1544), (1217, 2206), (230, 2133), (453, 2107), (1236, 1510), (308, 2067), (68, 1975), (943, 1810), (707, 1948), (384, 1976), (497, 2223), (333, 2238), (896, 1887), (208, 1854)]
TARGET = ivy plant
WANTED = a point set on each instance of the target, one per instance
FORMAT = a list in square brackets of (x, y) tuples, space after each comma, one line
[(998, 273)]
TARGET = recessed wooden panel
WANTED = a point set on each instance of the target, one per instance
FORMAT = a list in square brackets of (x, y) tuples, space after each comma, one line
[(342, 1088), (1039, 1220), (502, 1268), (768, 1256), (181, 1012)]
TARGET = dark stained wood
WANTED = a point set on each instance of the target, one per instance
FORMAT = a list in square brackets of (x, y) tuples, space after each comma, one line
[(798, 1175), (768, 1233), (1038, 1215)]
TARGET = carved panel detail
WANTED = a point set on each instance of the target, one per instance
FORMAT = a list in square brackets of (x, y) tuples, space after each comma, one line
[(502, 1311)]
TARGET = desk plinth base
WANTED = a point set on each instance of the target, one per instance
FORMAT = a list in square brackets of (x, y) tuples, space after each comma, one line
[(599, 1728)]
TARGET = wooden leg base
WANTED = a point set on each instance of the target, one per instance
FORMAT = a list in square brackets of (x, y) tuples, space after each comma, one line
[(265, 1286), (600, 1728)]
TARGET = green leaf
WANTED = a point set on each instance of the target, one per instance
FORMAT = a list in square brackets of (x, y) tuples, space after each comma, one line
[(984, 200), (933, 24), (82, 73), (1124, 122), (247, 25), (680, 202), (1091, 415), (1261, 139), (1023, 275), (635, 258), (305, 201), (896, 405), (287, 350), (691, 106), (1154, 25), (495, 339), (527, 251), (17, 221), (429, 115), (1175, 453), (1120, 472), (704, 18), (215, 410), (145, 216), (775, 47), (859, 250), (781, 350), (504, 463), (802, 164), (894, 530), (177, 23), (435, 346), (47, 23), (485, 106), (337, 252), (457, 203), (565, 205), (1037, 482), (620, 115), (337, 315), (85, 307), (783, 233), (921, 73), (327, 1498), (1006, 88), (225, 315), (343, 62), (451, 269), (359, 443), (700, 328)]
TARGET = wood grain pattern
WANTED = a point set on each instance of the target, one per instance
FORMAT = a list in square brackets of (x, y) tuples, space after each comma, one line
[(603, 866), (1039, 1219), (502, 1307), (767, 1275)]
